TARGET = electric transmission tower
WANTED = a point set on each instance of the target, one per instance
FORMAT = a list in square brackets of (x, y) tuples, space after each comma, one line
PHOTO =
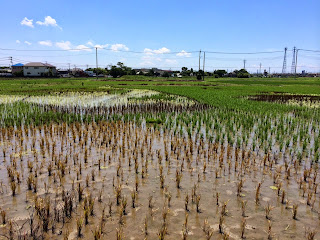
[(284, 66), (293, 66)]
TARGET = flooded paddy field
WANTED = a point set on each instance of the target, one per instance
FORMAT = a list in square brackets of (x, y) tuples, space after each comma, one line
[(154, 166), (312, 101)]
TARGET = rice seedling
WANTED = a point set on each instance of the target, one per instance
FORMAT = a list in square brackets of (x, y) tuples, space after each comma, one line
[(79, 226), (178, 178), (97, 234), (13, 188), (186, 203), (224, 210), (124, 205), (3, 216), (310, 234), (269, 232), (258, 193), (119, 234), (145, 226), (243, 225), (198, 197), (243, 208), (295, 211), (221, 221), (268, 209), (207, 229)]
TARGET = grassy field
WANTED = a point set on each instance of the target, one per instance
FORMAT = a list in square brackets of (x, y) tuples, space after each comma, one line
[(222, 93)]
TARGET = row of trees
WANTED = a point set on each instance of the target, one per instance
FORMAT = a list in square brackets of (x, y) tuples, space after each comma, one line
[(120, 70)]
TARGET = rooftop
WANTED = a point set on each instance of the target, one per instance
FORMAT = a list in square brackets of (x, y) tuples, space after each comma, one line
[(38, 64), (18, 65)]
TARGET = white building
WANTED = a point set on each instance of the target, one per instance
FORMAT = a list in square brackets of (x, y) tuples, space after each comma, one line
[(38, 69)]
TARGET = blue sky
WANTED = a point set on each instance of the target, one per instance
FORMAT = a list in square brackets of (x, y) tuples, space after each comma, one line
[(164, 33)]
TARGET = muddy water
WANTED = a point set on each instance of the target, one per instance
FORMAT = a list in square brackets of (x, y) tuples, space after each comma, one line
[(118, 144), (311, 101)]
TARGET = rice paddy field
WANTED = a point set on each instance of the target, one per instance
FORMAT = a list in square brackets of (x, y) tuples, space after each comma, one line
[(159, 158)]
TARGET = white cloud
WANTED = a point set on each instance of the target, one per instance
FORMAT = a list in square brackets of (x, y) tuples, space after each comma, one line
[(183, 53), (90, 43), (118, 46), (101, 46), (156, 51), (18, 41), (83, 48), (45, 43), (27, 22), (65, 45), (26, 42), (49, 21)]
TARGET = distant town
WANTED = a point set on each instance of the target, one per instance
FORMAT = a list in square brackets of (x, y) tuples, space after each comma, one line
[(42, 70)]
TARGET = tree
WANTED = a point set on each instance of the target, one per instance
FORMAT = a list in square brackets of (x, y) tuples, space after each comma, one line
[(184, 71), (120, 65), (150, 73), (116, 71), (242, 73), (220, 72), (165, 74)]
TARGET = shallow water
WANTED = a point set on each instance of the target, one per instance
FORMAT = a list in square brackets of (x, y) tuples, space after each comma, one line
[(117, 143)]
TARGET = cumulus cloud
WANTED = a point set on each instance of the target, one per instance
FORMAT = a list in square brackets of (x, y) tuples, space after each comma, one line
[(49, 21), (90, 43), (156, 51), (27, 22), (65, 45), (118, 46), (45, 43), (28, 43), (83, 48), (18, 41), (183, 53), (101, 46)]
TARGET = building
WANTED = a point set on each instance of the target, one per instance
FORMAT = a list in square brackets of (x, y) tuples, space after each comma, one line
[(38, 69), (64, 73), (17, 69), (90, 73), (5, 72)]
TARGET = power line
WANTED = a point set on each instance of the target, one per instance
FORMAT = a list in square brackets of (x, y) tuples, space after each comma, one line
[(308, 50)]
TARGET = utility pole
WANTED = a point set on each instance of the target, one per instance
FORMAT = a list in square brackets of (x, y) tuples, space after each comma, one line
[(97, 62), (260, 68), (199, 59), (284, 66), (295, 70), (244, 64), (204, 61), (69, 67), (11, 61), (293, 66), (269, 71)]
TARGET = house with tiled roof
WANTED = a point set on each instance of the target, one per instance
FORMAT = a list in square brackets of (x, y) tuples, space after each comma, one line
[(38, 69)]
